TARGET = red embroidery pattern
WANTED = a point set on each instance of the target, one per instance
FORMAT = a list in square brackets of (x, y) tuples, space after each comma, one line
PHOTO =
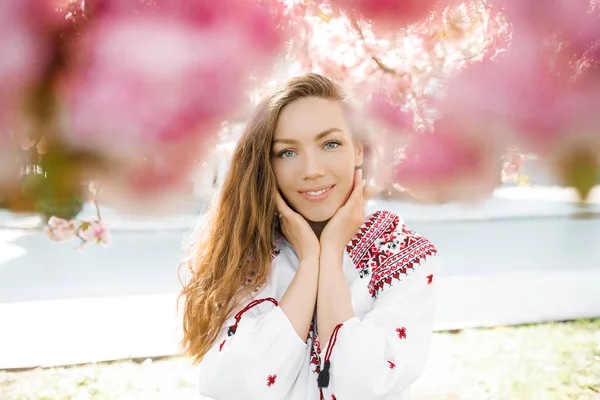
[(221, 345), (429, 279), (392, 365), (362, 247), (333, 397), (401, 332), (386, 250), (315, 349), (271, 380), (396, 256)]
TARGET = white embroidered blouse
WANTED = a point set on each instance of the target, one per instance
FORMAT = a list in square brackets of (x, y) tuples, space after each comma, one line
[(378, 354)]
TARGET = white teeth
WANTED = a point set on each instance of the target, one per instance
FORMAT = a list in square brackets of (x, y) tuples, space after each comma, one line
[(318, 192)]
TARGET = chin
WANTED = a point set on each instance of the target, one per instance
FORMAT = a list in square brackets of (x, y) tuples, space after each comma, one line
[(318, 217), (317, 220)]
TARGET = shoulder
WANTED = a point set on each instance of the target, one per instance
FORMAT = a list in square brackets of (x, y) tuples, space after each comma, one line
[(374, 227), (279, 254), (388, 251)]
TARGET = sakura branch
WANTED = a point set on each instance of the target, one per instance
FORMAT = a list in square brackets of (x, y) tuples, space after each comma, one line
[(86, 230), (131, 93), (479, 79)]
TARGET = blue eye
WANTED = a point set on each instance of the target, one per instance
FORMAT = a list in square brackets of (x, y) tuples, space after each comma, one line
[(286, 153), (332, 144)]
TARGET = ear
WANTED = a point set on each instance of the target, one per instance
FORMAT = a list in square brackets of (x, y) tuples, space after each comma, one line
[(359, 152)]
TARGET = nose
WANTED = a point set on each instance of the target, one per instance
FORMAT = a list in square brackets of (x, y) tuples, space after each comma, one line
[(313, 166)]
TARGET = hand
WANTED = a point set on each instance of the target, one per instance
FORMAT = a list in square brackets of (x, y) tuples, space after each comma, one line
[(344, 224), (297, 231)]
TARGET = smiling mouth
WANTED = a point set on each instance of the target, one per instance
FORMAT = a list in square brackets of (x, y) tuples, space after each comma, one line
[(317, 195)]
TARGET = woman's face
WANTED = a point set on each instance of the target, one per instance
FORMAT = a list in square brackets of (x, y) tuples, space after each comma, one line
[(314, 157)]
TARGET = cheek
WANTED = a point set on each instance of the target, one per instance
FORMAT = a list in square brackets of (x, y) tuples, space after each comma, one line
[(343, 167), (283, 173)]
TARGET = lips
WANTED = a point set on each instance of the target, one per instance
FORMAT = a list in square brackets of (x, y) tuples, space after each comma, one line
[(317, 193)]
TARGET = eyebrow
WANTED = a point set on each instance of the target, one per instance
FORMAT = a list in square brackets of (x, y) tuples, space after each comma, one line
[(317, 138)]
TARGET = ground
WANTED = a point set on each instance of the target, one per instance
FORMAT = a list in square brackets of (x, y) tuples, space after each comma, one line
[(543, 362)]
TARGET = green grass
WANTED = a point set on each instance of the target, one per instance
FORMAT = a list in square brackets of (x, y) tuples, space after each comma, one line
[(537, 362)]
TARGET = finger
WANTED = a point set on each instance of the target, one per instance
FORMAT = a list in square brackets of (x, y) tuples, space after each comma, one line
[(358, 176), (281, 205), (359, 185), (351, 199)]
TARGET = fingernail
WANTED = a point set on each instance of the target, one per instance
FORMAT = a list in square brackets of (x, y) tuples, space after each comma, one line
[(360, 173)]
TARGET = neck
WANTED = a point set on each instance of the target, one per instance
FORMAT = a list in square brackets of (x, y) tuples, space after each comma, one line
[(318, 227)]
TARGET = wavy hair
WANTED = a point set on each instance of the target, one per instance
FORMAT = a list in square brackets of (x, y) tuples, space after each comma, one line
[(230, 257)]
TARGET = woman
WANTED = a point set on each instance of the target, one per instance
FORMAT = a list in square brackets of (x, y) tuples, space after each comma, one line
[(295, 294)]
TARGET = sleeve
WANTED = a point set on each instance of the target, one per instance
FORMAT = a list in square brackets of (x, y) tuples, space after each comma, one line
[(382, 354), (258, 355)]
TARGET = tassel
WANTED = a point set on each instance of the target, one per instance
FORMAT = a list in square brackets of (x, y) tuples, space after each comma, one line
[(231, 330), (238, 316), (323, 379)]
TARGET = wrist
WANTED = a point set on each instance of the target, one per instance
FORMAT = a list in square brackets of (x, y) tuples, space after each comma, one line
[(331, 259), (330, 250), (309, 259)]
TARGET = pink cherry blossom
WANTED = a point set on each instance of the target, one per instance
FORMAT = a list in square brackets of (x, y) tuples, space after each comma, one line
[(575, 20), (147, 82), (398, 66), (188, 71), (405, 63), (535, 99), (448, 166), (390, 11), (60, 230), (88, 230), (156, 182), (94, 230), (520, 100), (381, 108), (24, 51), (512, 166)]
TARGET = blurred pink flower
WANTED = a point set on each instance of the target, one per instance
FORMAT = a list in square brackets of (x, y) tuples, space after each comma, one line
[(150, 77), (26, 31), (576, 21), (155, 181), (512, 166), (8, 163), (394, 116), (24, 50), (405, 64), (448, 166), (60, 230), (535, 98), (521, 101), (495, 100), (94, 230), (390, 11), (148, 81)]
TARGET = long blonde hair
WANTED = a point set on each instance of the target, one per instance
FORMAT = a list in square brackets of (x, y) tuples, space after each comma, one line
[(231, 258)]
